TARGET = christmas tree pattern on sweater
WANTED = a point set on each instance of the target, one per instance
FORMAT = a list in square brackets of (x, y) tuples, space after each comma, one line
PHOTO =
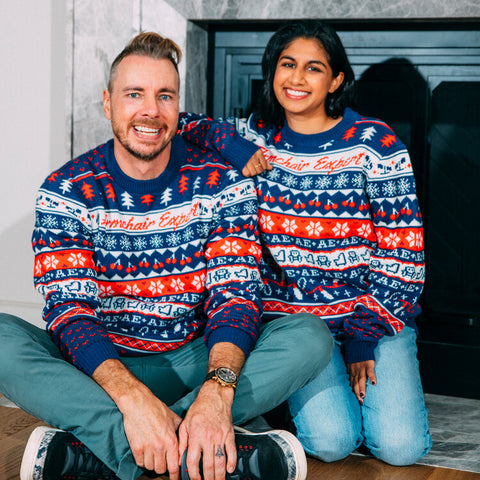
[(339, 221), (132, 267)]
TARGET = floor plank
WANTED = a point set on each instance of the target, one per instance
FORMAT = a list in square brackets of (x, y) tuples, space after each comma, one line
[(16, 426)]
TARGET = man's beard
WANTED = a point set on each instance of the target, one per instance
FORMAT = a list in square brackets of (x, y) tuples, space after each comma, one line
[(138, 154), (146, 157)]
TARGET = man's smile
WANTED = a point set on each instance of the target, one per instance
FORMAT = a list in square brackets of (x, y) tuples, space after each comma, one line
[(147, 130)]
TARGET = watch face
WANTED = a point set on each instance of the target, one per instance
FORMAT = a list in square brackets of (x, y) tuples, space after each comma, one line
[(226, 375)]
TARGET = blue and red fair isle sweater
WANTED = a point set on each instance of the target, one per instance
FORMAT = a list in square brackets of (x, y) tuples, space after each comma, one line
[(339, 220), (131, 267)]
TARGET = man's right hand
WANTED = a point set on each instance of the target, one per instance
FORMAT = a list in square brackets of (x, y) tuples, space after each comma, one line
[(150, 426), (256, 164)]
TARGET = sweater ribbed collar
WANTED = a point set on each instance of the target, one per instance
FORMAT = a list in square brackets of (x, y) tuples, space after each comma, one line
[(300, 142), (154, 185)]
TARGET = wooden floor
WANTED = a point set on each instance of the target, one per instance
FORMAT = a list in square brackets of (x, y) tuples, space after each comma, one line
[(16, 426)]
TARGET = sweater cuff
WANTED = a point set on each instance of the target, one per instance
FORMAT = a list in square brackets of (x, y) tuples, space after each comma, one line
[(359, 351), (239, 152), (232, 335), (94, 354)]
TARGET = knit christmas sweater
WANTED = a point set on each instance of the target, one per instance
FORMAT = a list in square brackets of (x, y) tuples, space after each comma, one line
[(339, 220), (131, 267)]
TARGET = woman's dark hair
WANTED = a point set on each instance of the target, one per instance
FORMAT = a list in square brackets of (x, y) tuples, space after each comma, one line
[(268, 109)]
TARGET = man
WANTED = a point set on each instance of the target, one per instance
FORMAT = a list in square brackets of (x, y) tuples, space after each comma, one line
[(146, 253)]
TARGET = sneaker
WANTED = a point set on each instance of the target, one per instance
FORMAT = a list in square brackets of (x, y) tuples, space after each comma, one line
[(273, 455), (53, 454)]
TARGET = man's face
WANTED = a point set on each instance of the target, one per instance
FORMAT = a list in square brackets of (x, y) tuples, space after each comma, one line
[(143, 108)]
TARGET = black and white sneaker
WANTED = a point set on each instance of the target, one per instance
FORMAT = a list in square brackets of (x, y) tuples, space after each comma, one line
[(272, 455), (53, 454)]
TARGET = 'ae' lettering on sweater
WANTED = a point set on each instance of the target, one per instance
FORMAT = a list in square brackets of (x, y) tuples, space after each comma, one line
[(339, 221), (131, 267)]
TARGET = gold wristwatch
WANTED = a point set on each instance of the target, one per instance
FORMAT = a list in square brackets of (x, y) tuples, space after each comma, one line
[(225, 376)]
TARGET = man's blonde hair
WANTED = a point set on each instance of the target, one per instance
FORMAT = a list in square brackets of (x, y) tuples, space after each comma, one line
[(148, 44)]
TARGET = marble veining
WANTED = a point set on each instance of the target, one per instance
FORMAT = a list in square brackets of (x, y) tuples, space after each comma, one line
[(455, 428), (281, 9)]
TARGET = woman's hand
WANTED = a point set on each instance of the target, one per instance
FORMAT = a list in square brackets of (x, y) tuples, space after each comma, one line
[(256, 165), (359, 372)]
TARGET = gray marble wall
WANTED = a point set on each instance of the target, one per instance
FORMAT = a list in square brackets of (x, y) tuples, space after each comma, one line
[(97, 31), (332, 9)]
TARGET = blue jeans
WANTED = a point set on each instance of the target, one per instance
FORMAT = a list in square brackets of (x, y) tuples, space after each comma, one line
[(392, 422), (34, 375)]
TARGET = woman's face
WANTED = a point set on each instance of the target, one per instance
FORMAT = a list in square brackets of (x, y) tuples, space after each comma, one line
[(302, 80)]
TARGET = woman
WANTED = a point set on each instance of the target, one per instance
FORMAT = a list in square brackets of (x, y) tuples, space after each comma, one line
[(343, 240)]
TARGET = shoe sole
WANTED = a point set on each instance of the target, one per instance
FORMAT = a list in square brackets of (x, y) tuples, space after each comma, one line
[(294, 444), (27, 468)]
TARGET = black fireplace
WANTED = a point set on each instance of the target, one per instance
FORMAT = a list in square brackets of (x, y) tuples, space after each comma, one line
[(424, 80)]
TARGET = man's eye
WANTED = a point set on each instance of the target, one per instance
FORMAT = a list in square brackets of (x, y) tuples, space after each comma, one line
[(133, 95), (165, 97)]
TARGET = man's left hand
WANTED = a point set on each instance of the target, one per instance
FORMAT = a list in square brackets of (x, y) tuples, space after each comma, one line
[(207, 431), (359, 372)]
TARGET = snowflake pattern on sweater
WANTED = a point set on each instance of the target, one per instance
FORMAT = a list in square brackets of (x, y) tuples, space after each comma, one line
[(340, 223), (131, 267)]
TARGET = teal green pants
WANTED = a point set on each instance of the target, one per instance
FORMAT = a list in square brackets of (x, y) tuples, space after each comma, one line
[(33, 374)]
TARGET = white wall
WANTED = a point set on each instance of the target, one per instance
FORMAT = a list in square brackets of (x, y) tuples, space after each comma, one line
[(32, 142)]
